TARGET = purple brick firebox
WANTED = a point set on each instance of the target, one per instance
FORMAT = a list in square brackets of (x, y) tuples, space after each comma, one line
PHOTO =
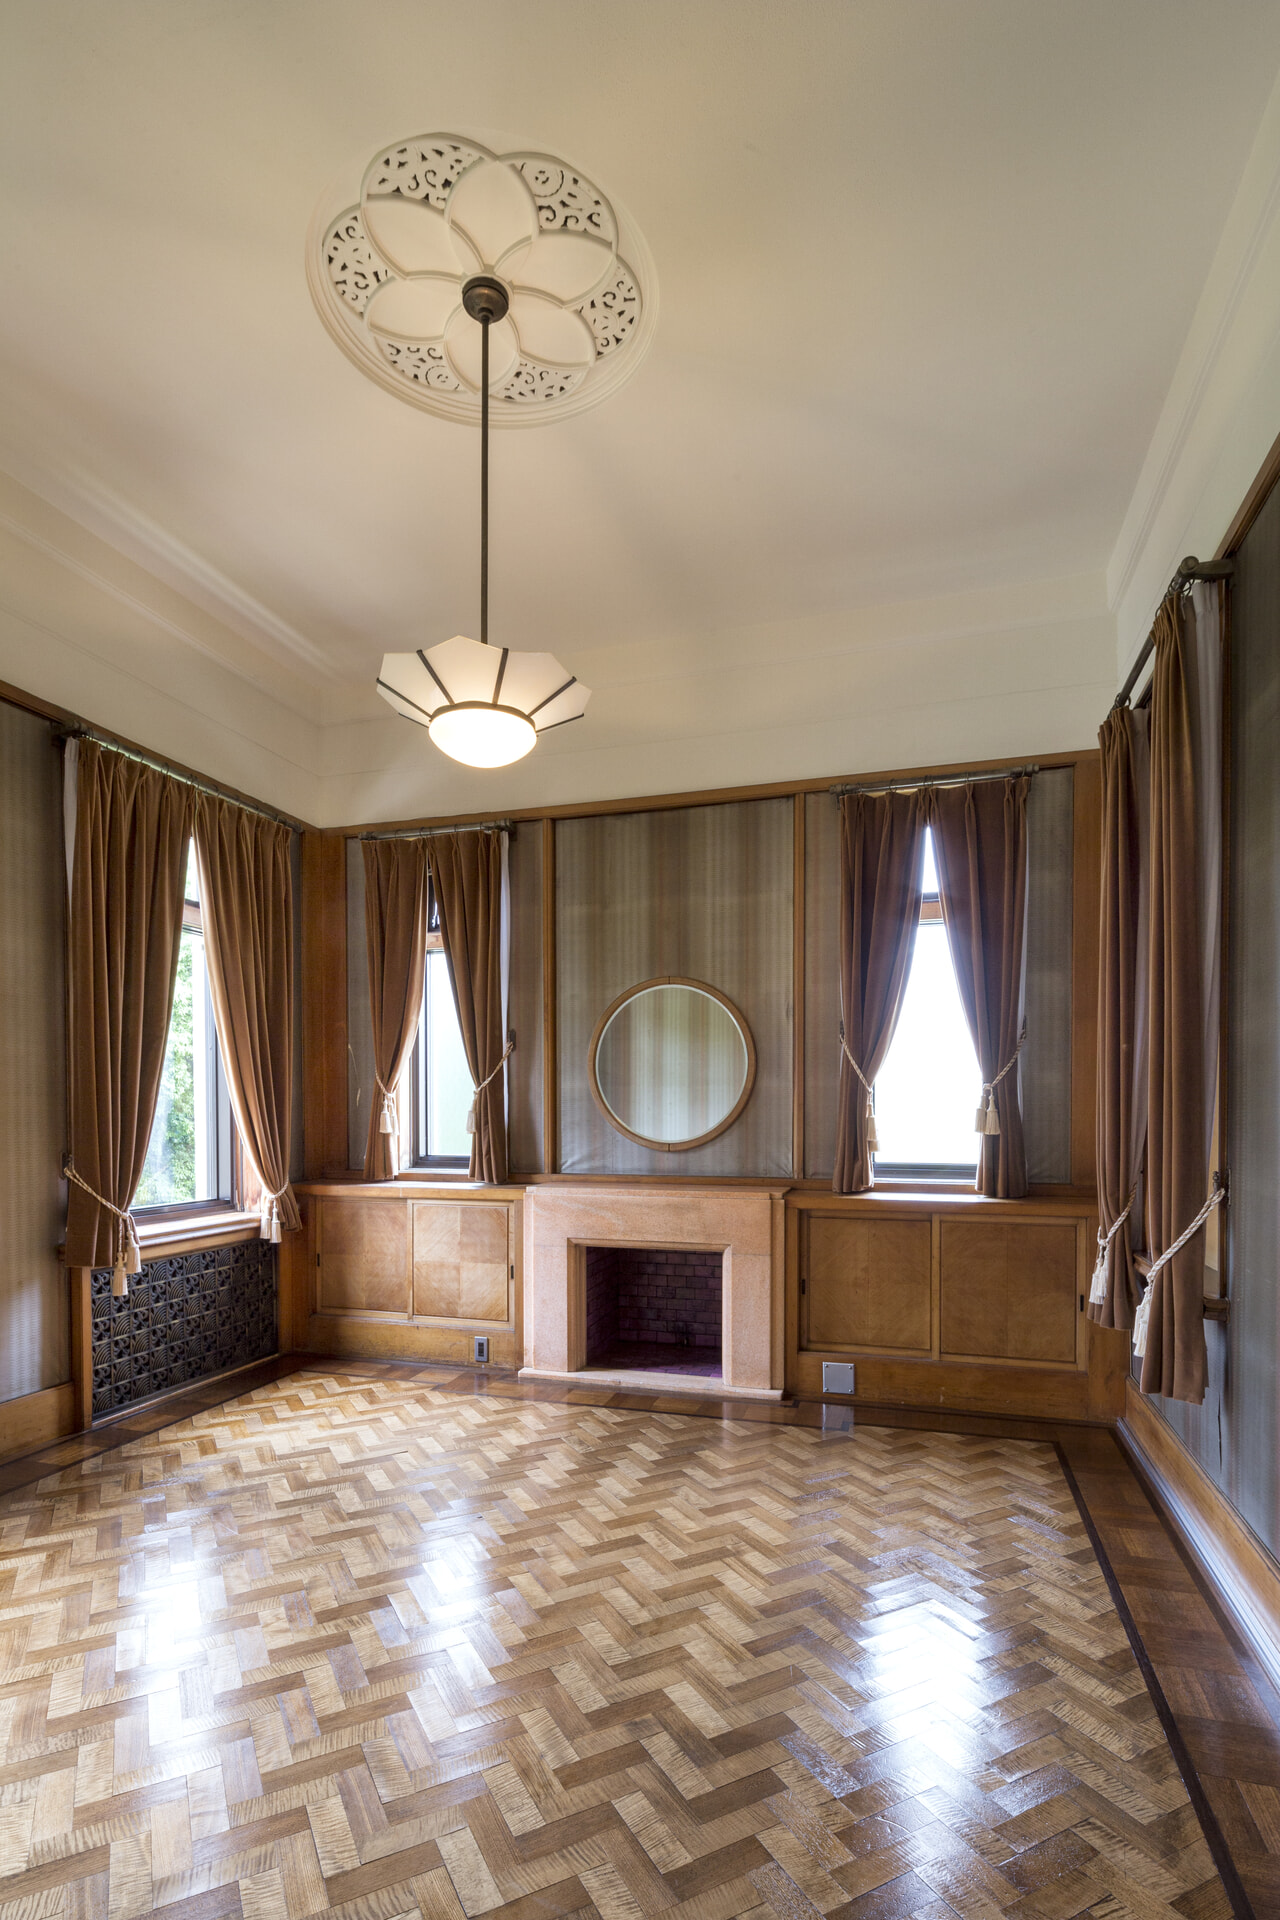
[(639, 1298)]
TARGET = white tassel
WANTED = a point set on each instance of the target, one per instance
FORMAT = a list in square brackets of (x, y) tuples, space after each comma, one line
[(1098, 1285), (1140, 1325), (873, 1138), (387, 1123), (471, 1114), (275, 1223), (993, 1119), (987, 1120), (119, 1273), (133, 1252)]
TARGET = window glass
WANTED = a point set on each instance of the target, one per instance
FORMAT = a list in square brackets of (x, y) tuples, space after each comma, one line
[(182, 1163), (447, 1092), (928, 1090)]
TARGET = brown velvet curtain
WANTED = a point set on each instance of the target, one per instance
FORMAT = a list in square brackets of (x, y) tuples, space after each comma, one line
[(1122, 993), (1174, 1362), (881, 850), (980, 846), (127, 886), (246, 899), (466, 872), (395, 921)]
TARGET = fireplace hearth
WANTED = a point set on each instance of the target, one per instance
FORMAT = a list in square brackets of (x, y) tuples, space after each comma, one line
[(657, 1309)]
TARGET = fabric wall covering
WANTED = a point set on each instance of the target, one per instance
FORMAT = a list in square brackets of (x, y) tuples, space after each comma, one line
[(701, 892), (396, 895), (33, 1295)]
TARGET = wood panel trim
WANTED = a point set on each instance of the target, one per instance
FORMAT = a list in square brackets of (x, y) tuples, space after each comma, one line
[(1252, 504), (723, 796), (1244, 1575), (798, 895), (550, 1056), (34, 1420), (81, 1349)]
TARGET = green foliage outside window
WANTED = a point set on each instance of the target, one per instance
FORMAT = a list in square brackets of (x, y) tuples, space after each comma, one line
[(169, 1175)]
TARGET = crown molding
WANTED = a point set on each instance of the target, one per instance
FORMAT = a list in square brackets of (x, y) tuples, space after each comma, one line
[(105, 513), (1234, 324)]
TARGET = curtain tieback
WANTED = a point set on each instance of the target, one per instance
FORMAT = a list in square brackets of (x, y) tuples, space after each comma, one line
[(1142, 1321), (269, 1215), (390, 1121), (128, 1252), (474, 1109), (873, 1138), (987, 1120), (1098, 1285)]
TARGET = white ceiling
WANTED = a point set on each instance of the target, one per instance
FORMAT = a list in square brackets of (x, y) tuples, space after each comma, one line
[(925, 269)]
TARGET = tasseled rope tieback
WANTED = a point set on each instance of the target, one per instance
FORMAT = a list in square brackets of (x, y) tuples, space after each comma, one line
[(873, 1138), (1098, 1285), (269, 1215), (474, 1108), (987, 1120), (128, 1252), (390, 1121), (1140, 1324)]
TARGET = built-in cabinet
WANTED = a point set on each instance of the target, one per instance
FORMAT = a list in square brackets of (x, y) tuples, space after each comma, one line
[(950, 1300), (408, 1271)]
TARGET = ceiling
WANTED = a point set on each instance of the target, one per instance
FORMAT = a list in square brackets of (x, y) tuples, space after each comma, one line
[(924, 271)]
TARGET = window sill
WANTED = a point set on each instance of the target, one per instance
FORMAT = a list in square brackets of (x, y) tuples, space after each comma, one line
[(221, 1228)]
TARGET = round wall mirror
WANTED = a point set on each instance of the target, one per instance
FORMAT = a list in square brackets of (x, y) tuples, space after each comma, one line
[(672, 1063)]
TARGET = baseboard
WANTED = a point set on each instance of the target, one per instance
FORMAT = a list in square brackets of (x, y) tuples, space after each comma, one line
[(35, 1419), (636, 1380), (1237, 1565)]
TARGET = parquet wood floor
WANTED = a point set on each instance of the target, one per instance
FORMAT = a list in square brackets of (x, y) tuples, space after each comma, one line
[(356, 1645)]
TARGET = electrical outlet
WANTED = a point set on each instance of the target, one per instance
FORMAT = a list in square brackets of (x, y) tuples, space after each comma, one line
[(480, 1353), (837, 1377)]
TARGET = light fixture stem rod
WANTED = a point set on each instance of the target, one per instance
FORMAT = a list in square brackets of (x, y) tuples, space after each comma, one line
[(484, 482)]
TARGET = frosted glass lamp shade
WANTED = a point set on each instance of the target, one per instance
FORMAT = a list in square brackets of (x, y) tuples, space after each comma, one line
[(485, 706)]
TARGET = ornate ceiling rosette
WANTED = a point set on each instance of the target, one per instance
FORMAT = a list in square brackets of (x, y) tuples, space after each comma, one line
[(387, 277)]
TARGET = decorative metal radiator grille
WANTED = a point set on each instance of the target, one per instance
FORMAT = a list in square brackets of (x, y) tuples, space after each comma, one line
[(187, 1317)]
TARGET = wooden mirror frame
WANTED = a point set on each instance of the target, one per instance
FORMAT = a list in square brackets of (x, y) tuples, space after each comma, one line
[(633, 993)]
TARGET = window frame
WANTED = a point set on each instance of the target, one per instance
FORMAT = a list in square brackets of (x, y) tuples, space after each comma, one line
[(452, 1165), (227, 1155), (944, 1172)]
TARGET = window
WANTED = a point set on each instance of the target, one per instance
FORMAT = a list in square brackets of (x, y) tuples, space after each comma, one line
[(928, 1089), (189, 1155), (440, 1072)]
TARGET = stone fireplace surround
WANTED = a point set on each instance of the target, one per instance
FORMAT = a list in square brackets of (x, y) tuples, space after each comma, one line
[(743, 1224)]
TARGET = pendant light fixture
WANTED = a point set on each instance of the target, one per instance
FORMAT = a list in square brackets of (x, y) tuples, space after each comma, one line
[(485, 706)]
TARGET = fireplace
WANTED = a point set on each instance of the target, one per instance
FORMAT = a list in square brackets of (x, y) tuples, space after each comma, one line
[(656, 1309), (565, 1221)]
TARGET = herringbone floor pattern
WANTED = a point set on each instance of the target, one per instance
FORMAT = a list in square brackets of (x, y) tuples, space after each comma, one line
[(366, 1648)]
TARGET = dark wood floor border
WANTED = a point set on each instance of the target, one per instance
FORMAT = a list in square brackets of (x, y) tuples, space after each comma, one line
[(1241, 1905)]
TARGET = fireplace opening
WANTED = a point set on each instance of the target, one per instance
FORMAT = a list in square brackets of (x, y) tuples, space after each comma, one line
[(654, 1309)]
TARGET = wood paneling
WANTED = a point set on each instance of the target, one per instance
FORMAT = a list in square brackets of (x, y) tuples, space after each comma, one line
[(364, 1256), (550, 1043), (461, 1261), (324, 1004), (1009, 1289), (34, 1419), (1236, 1561), (866, 1283)]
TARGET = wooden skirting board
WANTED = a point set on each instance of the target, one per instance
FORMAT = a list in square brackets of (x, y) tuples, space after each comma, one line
[(1238, 1566), (35, 1419)]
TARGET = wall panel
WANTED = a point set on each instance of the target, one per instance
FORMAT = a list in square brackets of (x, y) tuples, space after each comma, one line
[(704, 892), (34, 1315), (360, 1069), (524, 1001)]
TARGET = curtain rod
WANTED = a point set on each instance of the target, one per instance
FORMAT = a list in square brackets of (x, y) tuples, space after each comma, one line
[(934, 780), (1188, 573), (214, 791), (432, 833)]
